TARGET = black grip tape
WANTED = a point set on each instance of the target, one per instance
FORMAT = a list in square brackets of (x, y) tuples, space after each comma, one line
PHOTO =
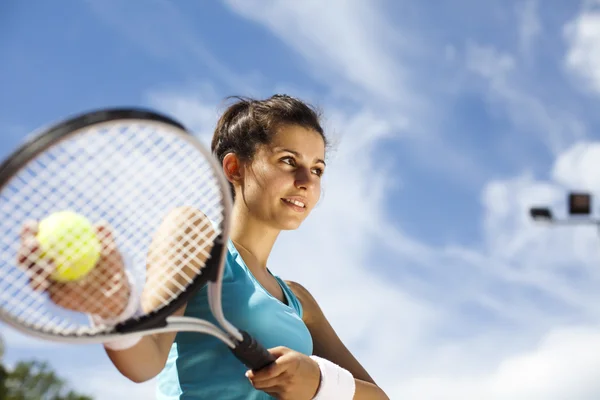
[(253, 354)]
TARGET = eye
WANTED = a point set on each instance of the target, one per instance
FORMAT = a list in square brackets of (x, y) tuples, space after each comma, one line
[(289, 160), (318, 171)]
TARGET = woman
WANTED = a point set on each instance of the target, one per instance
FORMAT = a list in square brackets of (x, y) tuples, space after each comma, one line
[(272, 152)]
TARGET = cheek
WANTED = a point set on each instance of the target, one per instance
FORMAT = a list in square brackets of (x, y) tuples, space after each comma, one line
[(266, 182), (317, 192)]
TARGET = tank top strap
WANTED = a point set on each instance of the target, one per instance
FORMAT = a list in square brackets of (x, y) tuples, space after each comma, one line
[(290, 296)]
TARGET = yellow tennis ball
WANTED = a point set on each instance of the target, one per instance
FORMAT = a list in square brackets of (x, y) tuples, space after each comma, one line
[(70, 240)]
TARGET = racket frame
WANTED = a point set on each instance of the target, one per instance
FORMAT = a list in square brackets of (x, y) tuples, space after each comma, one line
[(242, 344)]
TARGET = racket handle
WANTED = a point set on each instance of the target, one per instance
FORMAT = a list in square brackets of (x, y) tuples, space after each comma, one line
[(253, 354)]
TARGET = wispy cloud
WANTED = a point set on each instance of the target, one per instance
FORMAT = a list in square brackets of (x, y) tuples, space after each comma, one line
[(529, 25), (508, 91), (510, 314), (336, 243), (369, 62), (347, 41), (526, 299), (161, 30), (471, 318), (197, 107), (514, 281)]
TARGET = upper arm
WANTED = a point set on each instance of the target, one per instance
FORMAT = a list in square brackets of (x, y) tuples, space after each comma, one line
[(176, 255), (327, 344), (178, 251)]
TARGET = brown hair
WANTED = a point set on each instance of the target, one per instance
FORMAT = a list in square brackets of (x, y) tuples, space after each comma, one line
[(248, 123)]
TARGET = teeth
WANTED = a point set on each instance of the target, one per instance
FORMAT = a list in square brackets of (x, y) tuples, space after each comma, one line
[(295, 202)]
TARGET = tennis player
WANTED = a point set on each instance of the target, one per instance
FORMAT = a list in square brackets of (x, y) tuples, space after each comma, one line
[(273, 154)]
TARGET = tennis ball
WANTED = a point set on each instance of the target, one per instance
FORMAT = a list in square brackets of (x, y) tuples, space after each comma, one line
[(70, 240)]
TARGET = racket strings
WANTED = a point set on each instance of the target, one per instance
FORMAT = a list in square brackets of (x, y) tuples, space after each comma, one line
[(182, 252), (128, 177)]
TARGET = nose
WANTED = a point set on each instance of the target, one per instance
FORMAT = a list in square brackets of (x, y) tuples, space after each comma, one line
[(305, 179)]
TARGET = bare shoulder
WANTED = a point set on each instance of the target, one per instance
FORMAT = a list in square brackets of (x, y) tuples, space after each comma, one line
[(312, 311), (298, 289)]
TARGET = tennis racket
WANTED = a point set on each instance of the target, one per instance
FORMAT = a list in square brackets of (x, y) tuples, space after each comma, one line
[(129, 168)]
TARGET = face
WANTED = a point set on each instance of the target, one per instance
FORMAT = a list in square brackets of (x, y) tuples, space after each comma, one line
[(282, 184)]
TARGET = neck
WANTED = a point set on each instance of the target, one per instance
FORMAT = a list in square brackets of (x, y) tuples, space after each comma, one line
[(251, 237)]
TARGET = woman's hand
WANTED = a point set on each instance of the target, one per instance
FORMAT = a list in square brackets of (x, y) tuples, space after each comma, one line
[(106, 284), (293, 376)]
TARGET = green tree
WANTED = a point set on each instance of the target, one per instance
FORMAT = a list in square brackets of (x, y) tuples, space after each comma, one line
[(33, 380), (3, 371)]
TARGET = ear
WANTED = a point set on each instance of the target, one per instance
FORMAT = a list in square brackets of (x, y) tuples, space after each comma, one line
[(232, 168)]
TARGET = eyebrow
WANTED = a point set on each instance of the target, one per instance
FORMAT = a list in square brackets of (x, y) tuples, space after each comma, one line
[(318, 160)]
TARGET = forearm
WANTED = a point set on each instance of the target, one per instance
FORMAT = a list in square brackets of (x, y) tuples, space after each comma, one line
[(368, 391), (336, 381), (141, 362)]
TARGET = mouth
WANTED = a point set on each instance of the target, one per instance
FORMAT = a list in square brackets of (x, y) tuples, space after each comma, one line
[(296, 204)]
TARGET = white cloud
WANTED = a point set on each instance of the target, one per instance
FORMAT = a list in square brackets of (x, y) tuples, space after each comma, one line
[(536, 332), (334, 245), (347, 42), (583, 56), (561, 366), (466, 322), (573, 166), (510, 317), (415, 334)]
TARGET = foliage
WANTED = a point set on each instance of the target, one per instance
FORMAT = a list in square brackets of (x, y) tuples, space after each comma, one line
[(34, 380)]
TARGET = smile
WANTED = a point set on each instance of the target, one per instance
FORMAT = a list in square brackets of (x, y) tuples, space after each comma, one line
[(294, 203)]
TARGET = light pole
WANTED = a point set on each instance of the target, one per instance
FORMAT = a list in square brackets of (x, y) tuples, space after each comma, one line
[(580, 204)]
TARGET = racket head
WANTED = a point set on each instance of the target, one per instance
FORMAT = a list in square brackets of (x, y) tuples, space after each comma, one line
[(129, 168)]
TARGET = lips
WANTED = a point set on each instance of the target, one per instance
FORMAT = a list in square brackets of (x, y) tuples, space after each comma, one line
[(296, 203)]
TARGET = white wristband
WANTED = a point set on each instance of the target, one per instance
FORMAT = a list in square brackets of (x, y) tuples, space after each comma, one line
[(132, 309), (123, 343), (336, 382)]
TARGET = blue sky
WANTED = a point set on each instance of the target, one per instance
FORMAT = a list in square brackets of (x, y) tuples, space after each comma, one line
[(448, 122)]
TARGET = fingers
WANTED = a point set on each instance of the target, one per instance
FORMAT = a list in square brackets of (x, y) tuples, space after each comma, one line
[(39, 275), (28, 257), (108, 280), (29, 228), (272, 371), (104, 290), (111, 259), (28, 243), (279, 351), (106, 237), (273, 384), (268, 372)]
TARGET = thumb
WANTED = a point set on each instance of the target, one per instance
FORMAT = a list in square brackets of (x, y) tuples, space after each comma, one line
[(279, 351)]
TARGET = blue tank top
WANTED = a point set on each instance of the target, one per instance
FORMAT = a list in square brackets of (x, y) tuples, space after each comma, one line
[(200, 366)]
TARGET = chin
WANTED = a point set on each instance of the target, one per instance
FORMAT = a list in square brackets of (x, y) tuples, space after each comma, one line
[(289, 225)]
